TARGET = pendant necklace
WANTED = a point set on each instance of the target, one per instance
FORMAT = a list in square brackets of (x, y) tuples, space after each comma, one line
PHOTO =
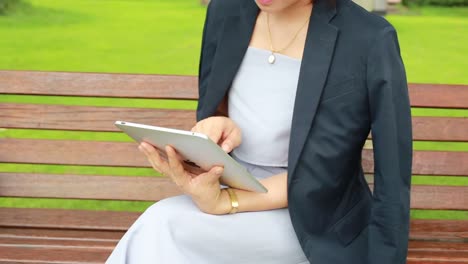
[(272, 57)]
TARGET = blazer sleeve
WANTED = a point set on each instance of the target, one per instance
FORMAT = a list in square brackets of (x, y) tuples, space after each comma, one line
[(392, 146), (208, 49)]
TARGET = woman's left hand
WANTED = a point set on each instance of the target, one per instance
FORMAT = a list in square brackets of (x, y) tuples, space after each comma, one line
[(205, 188)]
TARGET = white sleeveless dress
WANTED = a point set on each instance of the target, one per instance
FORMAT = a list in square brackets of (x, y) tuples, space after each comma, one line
[(175, 231)]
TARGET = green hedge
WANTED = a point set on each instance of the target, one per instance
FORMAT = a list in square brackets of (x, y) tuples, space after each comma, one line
[(436, 2), (8, 5)]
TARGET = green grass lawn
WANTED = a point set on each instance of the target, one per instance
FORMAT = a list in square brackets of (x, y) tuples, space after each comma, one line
[(434, 44), (163, 36), (142, 36)]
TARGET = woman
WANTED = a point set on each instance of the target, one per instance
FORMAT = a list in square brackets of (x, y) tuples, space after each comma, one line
[(303, 82)]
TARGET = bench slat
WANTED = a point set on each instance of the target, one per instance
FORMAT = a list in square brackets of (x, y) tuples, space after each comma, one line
[(100, 153), (428, 162), (156, 188), (437, 257), (86, 187), (421, 230), (439, 197), (57, 242), (99, 84), (440, 128), (444, 230), (428, 252), (55, 237), (66, 219), (43, 254), (422, 246), (180, 87), (439, 95), (39, 116), (88, 118), (38, 253), (70, 234), (65, 254)]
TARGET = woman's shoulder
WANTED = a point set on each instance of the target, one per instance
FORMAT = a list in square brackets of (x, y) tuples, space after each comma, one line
[(352, 17), (360, 28)]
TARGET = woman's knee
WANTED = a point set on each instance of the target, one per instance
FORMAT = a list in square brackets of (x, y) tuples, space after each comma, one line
[(167, 209)]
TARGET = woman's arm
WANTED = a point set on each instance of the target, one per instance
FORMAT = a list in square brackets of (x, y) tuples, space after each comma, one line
[(208, 50), (392, 141), (205, 188), (275, 198)]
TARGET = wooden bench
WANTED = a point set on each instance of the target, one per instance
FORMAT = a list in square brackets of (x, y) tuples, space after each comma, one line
[(34, 235)]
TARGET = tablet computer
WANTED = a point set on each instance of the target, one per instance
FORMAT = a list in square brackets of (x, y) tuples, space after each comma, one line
[(197, 151)]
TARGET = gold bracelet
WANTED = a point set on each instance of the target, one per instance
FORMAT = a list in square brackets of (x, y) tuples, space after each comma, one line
[(234, 201)]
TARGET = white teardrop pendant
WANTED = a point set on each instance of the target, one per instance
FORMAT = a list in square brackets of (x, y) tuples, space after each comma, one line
[(271, 58)]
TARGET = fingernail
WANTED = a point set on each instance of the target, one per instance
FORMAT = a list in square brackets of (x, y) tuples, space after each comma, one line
[(219, 171), (225, 147)]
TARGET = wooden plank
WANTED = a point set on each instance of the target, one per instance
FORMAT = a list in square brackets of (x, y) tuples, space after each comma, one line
[(69, 152), (38, 254), (68, 256), (87, 118), (429, 252), (169, 86), (69, 234), (439, 197), (437, 257), (86, 187), (440, 128), (44, 254), (439, 230), (439, 95), (66, 219), (428, 162), (155, 188), (99, 84), (56, 242), (72, 152), (421, 230), (422, 246)]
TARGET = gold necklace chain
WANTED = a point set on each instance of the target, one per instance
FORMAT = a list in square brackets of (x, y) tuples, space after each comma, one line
[(292, 40)]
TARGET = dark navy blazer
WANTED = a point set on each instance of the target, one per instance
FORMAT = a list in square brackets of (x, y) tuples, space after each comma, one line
[(352, 81)]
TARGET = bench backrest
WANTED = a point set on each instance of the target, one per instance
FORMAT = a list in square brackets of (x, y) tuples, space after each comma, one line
[(179, 92)]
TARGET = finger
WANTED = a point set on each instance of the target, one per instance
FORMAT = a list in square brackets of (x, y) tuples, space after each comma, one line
[(151, 152), (150, 160), (231, 141), (214, 135), (214, 174), (226, 146), (154, 158), (178, 173)]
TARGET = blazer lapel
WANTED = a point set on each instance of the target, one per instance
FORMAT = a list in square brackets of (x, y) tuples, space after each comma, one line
[(318, 53), (232, 46)]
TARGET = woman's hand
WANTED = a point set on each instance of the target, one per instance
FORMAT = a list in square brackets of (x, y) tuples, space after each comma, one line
[(222, 130), (204, 188)]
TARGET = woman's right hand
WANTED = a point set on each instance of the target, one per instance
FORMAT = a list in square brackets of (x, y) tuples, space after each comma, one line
[(222, 130)]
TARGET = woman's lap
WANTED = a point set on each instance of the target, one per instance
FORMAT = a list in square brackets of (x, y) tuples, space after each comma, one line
[(174, 230)]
